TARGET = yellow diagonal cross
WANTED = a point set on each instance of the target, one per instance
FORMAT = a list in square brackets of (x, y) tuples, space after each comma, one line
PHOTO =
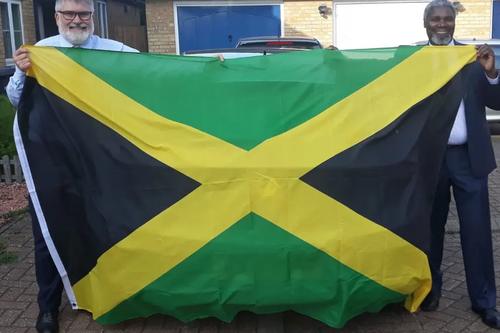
[(264, 180)]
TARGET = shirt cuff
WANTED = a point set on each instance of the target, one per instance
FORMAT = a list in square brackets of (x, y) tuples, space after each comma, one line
[(19, 73), (493, 81), (18, 77)]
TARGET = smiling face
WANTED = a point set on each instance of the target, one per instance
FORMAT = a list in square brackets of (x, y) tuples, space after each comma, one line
[(440, 25), (74, 20)]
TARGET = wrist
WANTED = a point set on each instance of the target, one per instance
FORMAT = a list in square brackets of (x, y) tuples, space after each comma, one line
[(19, 74), (492, 74)]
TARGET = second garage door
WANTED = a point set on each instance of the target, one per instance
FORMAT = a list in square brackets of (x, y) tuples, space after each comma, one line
[(209, 27), (372, 25), (496, 20)]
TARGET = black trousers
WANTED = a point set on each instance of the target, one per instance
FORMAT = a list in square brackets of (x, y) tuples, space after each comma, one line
[(47, 277), (471, 197)]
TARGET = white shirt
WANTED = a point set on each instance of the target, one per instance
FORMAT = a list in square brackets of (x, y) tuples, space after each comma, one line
[(16, 81), (458, 135)]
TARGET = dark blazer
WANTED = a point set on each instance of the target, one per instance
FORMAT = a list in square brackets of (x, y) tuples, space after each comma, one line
[(479, 94)]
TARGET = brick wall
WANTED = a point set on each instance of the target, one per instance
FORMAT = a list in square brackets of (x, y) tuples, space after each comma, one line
[(302, 18), (160, 23), (29, 22), (475, 22)]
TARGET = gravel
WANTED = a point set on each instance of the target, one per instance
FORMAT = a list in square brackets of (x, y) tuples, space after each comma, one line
[(12, 198)]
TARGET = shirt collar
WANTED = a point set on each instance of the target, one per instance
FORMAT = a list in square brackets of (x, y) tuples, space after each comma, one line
[(86, 45), (452, 43)]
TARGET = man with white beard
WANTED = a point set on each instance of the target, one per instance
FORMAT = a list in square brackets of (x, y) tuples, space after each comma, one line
[(74, 19)]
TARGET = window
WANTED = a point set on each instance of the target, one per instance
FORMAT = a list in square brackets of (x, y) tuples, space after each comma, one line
[(12, 28), (102, 19)]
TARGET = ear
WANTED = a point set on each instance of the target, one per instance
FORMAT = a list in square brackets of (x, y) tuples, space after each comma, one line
[(56, 16)]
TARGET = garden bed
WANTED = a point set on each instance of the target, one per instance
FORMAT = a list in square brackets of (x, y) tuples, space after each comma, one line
[(13, 201)]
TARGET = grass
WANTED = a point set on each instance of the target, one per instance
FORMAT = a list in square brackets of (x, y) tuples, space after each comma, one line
[(6, 257), (14, 214)]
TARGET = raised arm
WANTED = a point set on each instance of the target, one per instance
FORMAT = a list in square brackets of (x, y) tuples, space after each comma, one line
[(16, 82), (486, 58)]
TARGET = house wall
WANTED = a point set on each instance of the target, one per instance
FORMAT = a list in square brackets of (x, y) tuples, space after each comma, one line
[(160, 25), (29, 28), (475, 22), (28, 22), (302, 18)]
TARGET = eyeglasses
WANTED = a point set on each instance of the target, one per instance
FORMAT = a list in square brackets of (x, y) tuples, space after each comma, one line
[(70, 16)]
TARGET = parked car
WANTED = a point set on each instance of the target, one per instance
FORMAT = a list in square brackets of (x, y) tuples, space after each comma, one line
[(280, 43), (240, 52), (491, 115)]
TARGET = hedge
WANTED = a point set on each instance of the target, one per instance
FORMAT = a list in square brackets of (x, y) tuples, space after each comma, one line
[(7, 114)]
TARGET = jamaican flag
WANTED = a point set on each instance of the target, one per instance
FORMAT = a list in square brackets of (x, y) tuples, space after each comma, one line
[(193, 187)]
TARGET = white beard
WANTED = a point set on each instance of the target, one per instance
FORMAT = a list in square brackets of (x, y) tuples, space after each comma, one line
[(441, 40), (76, 36)]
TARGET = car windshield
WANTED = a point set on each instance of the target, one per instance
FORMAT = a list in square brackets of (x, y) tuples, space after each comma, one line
[(281, 44), (228, 55)]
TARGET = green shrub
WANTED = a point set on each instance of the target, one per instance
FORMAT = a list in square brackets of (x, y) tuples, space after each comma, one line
[(7, 114)]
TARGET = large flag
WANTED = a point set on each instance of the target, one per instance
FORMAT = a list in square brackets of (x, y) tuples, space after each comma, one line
[(195, 188)]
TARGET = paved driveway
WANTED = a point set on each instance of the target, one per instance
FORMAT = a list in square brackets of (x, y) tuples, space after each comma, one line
[(18, 309)]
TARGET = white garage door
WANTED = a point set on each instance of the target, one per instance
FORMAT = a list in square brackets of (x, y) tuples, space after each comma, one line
[(372, 25)]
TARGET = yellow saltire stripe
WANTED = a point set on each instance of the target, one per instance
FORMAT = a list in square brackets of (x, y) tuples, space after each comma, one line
[(263, 180)]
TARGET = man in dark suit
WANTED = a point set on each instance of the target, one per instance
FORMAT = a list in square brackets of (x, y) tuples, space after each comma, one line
[(468, 161)]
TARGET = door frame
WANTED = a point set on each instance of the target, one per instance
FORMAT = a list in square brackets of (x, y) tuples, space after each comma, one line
[(40, 24), (213, 3), (362, 2), (492, 17)]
